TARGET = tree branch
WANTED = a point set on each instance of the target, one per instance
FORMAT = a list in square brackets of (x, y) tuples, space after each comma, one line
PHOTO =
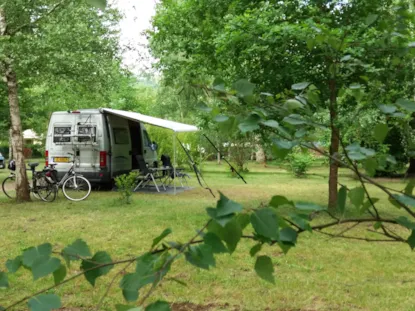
[(36, 21)]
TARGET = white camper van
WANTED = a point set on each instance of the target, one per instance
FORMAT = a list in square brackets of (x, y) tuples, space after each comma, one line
[(106, 145)]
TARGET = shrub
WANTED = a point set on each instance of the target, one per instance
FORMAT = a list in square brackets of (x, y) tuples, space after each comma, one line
[(300, 163), (125, 184)]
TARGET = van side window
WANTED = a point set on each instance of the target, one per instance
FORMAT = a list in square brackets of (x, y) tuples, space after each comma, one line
[(61, 134), (147, 141), (121, 136), (87, 133)]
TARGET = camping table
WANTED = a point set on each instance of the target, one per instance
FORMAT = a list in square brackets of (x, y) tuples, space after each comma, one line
[(170, 171)]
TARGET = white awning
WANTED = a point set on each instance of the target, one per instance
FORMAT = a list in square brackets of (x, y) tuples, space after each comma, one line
[(135, 116)]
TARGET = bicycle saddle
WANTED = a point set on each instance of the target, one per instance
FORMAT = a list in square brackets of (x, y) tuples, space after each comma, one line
[(33, 165)]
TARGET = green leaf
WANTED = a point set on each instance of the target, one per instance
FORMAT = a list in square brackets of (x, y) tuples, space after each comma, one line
[(158, 306), (411, 240), (308, 207), (370, 19), (288, 235), (367, 205), (341, 199), (243, 87), (98, 259), (130, 284), (388, 109), (310, 44), (219, 85), (406, 104), (279, 153), (371, 164), (265, 269), (279, 200), (77, 249), (44, 265), (227, 207), (391, 159), (32, 253), (144, 275), (408, 201), (377, 225), (399, 115), (270, 123), (215, 243), (283, 144), (356, 155), (380, 132), (403, 221), (356, 196), (292, 104), (265, 223), (45, 302), (300, 86), (165, 233), (410, 187), (4, 282), (13, 265), (212, 212), (301, 220), (294, 119), (59, 274), (100, 4), (367, 151), (248, 127), (232, 234), (201, 256), (255, 249), (202, 106), (346, 58), (221, 118), (243, 220)]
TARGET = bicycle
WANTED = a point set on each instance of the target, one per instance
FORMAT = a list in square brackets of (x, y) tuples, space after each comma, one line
[(74, 186), (41, 187)]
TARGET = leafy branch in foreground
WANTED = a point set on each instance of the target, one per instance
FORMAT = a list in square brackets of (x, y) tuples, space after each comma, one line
[(220, 235)]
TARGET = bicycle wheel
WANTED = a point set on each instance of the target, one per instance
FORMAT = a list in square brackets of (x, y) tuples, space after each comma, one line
[(76, 188), (9, 187), (45, 190), (33, 192)]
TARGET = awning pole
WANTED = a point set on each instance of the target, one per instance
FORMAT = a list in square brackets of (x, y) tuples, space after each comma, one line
[(174, 162)]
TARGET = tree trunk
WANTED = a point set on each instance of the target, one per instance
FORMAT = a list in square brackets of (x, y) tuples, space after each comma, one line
[(10, 145), (334, 147), (218, 157), (260, 156), (22, 186)]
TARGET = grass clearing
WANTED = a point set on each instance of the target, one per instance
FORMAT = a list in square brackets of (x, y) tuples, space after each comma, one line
[(319, 274)]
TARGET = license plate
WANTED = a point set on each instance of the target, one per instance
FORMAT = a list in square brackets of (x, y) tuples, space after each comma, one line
[(61, 159)]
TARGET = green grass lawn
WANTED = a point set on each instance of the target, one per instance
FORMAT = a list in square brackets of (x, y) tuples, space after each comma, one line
[(320, 273)]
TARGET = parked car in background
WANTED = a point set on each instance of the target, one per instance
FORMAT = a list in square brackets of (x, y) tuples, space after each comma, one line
[(2, 162)]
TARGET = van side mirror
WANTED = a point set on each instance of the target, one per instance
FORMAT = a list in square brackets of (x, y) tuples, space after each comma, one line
[(154, 146)]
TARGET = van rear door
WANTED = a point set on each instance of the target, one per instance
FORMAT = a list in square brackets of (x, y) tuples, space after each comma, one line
[(120, 145)]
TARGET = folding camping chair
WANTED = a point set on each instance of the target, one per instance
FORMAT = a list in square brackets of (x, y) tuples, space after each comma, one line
[(147, 175), (168, 172)]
